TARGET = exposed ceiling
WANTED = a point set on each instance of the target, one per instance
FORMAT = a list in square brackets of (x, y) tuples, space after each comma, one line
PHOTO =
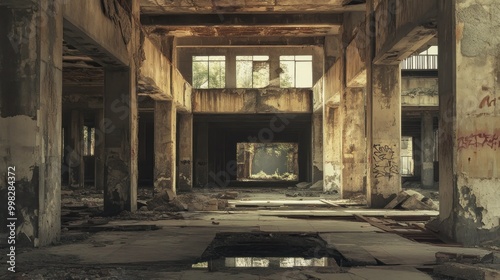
[(159, 7), (246, 18)]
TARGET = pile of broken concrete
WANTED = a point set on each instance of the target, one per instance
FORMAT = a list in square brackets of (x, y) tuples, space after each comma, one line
[(412, 200), (168, 201)]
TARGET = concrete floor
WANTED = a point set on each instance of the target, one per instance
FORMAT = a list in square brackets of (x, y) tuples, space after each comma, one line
[(168, 253)]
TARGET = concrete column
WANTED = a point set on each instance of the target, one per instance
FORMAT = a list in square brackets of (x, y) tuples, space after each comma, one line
[(185, 172), (74, 150), (353, 143), (165, 154), (274, 70), (385, 135), (317, 147), (99, 151), (427, 150), (31, 121), (231, 71), (332, 149), (120, 144), (201, 166), (469, 133)]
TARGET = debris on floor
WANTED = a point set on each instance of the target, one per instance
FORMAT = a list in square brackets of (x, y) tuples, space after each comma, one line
[(412, 200), (468, 266), (303, 185)]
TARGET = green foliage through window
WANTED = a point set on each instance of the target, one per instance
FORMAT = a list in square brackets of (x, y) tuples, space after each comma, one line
[(209, 71)]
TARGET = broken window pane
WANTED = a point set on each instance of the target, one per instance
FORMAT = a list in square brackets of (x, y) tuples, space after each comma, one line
[(252, 71)]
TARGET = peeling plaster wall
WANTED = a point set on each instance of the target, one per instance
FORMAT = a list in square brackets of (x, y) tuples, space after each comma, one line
[(471, 125), (30, 119), (419, 91), (260, 101), (332, 149)]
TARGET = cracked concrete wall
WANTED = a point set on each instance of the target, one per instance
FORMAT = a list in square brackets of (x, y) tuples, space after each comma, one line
[(30, 119), (353, 143), (469, 135), (259, 101)]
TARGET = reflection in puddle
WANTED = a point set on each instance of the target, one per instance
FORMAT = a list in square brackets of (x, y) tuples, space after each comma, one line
[(265, 262)]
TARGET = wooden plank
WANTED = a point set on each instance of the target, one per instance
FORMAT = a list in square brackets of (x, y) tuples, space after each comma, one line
[(373, 223), (331, 203)]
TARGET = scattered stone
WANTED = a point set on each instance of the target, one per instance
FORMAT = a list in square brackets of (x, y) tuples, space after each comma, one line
[(303, 185), (179, 205), (411, 200), (229, 195), (143, 208), (466, 271), (444, 257), (318, 186), (215, 223), (291, 194), (141, 203), (161, 199)]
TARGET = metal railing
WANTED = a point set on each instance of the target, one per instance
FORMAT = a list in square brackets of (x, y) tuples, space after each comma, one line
[(420, 62)]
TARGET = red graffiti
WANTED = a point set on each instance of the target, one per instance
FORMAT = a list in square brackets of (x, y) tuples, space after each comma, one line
[(479, 140), (488, 102)]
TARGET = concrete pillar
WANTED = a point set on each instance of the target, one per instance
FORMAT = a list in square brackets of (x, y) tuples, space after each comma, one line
[(165, 118), (99, 151), (385, 135), (427, 150), (74, 156), (332, 149), (353, 143), (469, 133), (185, 162), (317, 147), (274, 70), (201, 156), (231, 71), (120, 144), (31, 121)]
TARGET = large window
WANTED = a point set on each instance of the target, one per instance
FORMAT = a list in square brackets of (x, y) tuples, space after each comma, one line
[(209, 71), (252, 71), (296, 71)]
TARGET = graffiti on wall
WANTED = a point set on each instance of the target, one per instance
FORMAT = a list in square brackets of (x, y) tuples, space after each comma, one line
[(479, 140), (488, 102), (384, 164)]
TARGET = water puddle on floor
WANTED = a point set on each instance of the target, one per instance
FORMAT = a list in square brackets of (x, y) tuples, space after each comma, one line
[(268, 250)]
